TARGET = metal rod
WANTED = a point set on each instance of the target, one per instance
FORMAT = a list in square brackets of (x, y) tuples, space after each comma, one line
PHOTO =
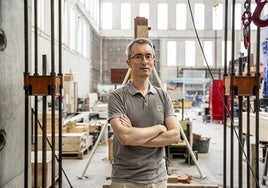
[(36, 97), (35, 37), (60, 140), (248, 114), (240, 134), (225, 98), (60, 38), (26, 57), (60, 98), (93, 150), (44, 132), (35, 141), (52, 37), (26, 151), (248, 142), (232, 140), (257, 105), (53, 176), (232, 98), (53, 136), (26, 98)]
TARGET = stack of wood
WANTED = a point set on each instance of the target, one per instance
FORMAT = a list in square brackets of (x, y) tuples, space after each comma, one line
[(76, 139), (48, 122), (71, 142), (73, 127), (39, 169)]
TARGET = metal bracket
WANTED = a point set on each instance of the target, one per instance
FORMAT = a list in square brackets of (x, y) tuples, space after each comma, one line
[(42, 85), (242, 85)]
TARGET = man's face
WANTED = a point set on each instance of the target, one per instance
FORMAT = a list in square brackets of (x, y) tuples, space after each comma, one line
[(141, 60)]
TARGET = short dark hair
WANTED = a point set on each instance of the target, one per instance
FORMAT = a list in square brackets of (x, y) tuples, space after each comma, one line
[(138, 41)]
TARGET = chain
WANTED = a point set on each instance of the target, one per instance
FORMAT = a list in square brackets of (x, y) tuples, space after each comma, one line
[(246, 20)]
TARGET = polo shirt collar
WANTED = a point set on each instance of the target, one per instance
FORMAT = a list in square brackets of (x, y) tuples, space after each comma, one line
[(133, 91)]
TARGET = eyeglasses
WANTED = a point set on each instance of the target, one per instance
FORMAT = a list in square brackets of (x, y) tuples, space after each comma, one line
[(139, 57)]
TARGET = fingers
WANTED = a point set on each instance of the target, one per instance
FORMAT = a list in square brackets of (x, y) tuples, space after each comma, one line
[(125, 121), (162, 127)]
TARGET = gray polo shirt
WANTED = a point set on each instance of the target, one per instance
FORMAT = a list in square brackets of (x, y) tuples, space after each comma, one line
[(137, 163)]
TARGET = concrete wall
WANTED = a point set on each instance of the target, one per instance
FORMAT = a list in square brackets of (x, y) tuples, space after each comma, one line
[(12, 94), (12, 97)]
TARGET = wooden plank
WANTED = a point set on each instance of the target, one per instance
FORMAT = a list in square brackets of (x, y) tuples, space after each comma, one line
[(71, 142), (77, 155), (184, 185), (78, 128), (172, 183), (48, 166), (178, 185)]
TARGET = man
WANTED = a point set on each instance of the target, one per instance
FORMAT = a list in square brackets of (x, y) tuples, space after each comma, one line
[(143, 121)]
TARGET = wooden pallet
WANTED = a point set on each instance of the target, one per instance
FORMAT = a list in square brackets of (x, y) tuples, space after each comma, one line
[(74, 154)]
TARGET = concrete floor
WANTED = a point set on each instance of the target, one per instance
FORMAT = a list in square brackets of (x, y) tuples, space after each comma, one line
[(210, 163)]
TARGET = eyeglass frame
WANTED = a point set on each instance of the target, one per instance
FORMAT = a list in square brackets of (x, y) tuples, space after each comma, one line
[(135, 57), (139, 41)]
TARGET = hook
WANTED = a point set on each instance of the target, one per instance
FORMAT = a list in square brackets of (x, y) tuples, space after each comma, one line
[(257, 13)]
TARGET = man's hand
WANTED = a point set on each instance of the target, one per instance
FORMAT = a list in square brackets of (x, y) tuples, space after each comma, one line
[(130, 135), (125, 121)]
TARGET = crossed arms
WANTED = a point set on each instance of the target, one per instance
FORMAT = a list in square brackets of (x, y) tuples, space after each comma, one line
[(151, 136)]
